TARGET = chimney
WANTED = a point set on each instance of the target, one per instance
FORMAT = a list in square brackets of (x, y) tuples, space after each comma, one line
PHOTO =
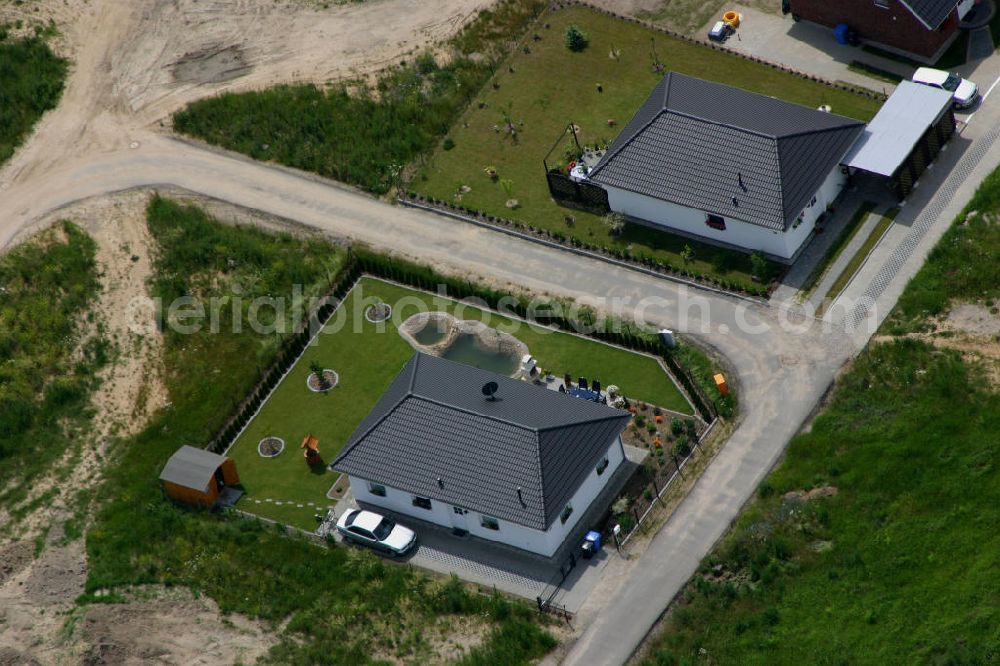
[(440, 482)]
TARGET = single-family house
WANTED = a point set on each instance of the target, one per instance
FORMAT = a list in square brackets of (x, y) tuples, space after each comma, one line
[(920, 29), (481, 453), (728, 166)]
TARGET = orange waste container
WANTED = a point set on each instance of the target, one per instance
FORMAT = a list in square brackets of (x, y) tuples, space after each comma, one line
[(720, 383)]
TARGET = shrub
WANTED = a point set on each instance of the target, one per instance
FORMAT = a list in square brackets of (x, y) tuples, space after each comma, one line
[(576, 39), (31, 81), (448, 144)]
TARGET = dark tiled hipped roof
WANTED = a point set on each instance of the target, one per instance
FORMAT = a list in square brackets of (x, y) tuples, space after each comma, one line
[(435, 423), (726, 151), (931, 13)]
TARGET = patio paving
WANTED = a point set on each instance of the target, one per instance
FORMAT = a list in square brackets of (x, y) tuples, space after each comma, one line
[(508, 569), (806, 47)]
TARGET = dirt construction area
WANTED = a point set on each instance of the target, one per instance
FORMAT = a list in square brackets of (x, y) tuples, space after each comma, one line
[(135, 62), (132, 64)]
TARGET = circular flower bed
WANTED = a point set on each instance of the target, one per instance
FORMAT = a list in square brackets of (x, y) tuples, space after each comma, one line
[(269, 447), (378, 312), (316, 386)]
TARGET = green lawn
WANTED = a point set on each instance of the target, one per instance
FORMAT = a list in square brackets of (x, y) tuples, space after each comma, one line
[(47, 372), (367, 362), (900, 565), (322, 605), (551, 87)]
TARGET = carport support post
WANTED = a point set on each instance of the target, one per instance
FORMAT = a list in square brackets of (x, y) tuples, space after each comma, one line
[(541, 606)]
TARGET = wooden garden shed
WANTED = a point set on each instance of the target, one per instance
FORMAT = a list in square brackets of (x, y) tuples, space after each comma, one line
[(196, 476)]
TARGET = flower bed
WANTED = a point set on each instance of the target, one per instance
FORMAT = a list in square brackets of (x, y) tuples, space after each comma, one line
[(269, 447)]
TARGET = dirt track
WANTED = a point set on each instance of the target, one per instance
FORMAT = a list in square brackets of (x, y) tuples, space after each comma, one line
[(137, 61)]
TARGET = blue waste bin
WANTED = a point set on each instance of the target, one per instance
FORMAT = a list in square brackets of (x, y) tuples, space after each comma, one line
[(591, 544)]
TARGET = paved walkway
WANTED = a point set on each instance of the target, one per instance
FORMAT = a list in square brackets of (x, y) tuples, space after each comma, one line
[(788, 293), (807, 47), (980, 44), (840, 263)]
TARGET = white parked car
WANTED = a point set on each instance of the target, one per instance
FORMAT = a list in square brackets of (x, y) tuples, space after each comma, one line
[(964, 92), (377, 531)]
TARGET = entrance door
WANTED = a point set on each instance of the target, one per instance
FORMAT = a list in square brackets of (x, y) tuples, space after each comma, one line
[(220, 480), (459, 525)]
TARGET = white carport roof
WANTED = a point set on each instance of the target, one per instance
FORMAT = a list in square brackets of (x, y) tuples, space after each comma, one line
[(897, 128)]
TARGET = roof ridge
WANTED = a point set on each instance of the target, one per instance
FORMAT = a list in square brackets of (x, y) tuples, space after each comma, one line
[(414, 361), (357, 440), (596, 419), (719, 123), (466, 410), (838, 128), (608, 157), (916, 14)]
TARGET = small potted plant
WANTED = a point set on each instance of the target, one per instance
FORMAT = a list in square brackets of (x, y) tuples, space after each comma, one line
[(491, 171)]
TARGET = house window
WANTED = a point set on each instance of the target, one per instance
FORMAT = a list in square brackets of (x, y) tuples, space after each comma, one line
[(716, 222), (567, 512), (422, 502), (489, 522), (376, 489), (812, 203), (601, 466)]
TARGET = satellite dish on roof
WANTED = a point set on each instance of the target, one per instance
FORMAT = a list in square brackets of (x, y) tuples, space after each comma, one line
[(490, 389)]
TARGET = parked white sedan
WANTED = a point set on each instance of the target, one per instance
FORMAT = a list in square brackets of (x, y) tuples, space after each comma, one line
[(963, 92), (377, 531)]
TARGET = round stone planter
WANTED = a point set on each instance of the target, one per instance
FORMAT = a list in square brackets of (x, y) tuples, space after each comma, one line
[(313, 383), (269, 447), (378, 313)]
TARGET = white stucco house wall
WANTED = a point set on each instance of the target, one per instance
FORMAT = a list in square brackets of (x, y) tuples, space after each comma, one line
[(728, 166), (521, 468)]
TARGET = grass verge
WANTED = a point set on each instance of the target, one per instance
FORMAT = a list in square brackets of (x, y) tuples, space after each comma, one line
[(882, 512), (847, 233), (46, 287), (846, 275), (342, 605), (356, 132), (367, 358), (874, 72), (544, 89), (31, 82)]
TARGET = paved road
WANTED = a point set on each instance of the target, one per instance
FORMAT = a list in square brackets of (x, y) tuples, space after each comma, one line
[(781, 362)]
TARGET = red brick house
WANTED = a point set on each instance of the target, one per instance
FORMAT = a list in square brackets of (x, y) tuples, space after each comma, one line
[(921, 29)]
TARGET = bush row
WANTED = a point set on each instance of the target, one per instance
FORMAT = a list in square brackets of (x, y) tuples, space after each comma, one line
[(365, 261), (293, 348)]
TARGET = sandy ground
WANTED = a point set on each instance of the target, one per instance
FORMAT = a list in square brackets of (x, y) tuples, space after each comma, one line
[(969, 328), (134, 63), (41, 624), (39, 621)]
